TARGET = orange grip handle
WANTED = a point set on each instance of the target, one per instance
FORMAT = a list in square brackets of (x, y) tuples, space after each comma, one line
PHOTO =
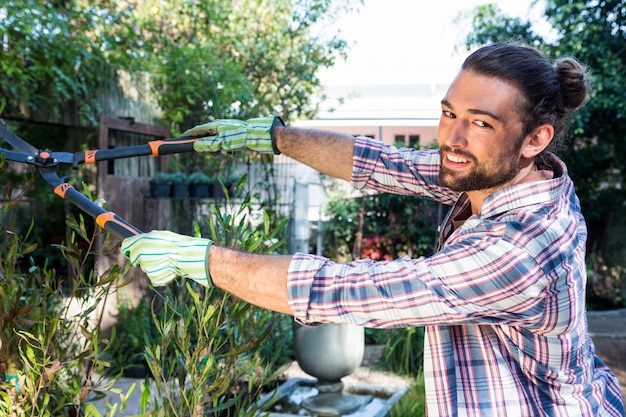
[(113, 223), (107, 220)]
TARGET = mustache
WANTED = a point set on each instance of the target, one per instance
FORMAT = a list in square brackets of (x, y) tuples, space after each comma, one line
[(446, 149)]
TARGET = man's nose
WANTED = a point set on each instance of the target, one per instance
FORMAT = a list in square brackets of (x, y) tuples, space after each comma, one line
[(456, 136)]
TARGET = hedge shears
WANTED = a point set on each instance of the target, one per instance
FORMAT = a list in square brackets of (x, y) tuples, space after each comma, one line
[(46, 163)]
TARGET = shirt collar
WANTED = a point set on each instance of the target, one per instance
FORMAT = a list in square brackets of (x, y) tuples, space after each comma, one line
[(538, 189)]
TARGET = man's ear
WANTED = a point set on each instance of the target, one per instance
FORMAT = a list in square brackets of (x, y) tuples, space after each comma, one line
[(537, 141)]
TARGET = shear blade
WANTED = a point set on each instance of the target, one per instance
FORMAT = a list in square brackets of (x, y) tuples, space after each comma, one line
[(19, 143)]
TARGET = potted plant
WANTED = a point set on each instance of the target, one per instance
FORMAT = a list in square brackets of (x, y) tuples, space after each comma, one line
[(180, 185), (160, 185), (199, 185)]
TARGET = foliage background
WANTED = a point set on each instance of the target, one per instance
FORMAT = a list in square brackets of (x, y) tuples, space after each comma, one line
[(380, 226), (205, 59)]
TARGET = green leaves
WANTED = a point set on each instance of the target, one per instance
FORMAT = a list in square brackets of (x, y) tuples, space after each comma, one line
[(53, 56), (211, 352), (380, 226), (206, 59), (404, 350), (490, 25), (49, 340)]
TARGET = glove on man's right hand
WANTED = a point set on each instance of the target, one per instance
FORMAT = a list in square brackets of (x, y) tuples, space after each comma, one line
[(230, 135)]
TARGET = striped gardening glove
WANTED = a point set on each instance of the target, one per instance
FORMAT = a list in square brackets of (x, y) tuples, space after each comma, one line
[(165, 255), (231, 135)]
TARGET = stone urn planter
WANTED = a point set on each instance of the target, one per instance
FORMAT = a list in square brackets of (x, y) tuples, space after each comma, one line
[(329, 352)]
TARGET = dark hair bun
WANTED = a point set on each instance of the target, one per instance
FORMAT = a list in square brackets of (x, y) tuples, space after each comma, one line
[(573, 79)]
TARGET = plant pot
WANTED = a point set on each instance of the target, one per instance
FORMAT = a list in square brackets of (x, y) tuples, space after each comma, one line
[(180, 191), (218, 190), (330, 351), (160, 190), (138, 368), (199, 190)]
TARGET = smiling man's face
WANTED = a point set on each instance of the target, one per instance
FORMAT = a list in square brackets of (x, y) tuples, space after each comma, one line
[(480, 134)]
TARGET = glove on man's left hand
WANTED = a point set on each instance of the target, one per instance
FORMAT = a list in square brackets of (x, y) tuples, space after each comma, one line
[(231, 135), (165, 255)]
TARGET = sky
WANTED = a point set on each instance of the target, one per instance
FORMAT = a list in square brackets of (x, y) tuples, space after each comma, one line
[(408, 41)]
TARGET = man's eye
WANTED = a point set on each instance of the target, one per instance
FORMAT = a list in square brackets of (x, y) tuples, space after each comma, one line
[(482, 123), (447, 113)]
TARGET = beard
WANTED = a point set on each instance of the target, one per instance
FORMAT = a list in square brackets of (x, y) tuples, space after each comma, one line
[(481, 176)]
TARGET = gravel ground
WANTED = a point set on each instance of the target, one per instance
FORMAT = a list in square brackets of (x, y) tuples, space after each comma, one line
[(608, 332)]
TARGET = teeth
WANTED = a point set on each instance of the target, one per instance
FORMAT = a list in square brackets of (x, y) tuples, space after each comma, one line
[(455, 158)]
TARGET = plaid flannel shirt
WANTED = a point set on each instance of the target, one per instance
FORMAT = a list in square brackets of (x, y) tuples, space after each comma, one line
[(502, 300)]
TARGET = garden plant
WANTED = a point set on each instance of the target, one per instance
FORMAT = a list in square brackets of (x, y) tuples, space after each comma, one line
[(51, 345), (202, 347)]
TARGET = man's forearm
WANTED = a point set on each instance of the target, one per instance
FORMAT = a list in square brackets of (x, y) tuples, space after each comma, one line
[(258, 279), (327, 152)]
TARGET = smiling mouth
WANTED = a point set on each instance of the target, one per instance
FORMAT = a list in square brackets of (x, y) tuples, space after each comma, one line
[(456, 158)]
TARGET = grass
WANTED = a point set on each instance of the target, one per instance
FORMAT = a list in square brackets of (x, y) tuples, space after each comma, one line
[(413, 403)]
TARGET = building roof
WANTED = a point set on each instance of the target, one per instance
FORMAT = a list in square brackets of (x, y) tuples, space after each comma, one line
[(395, 104)]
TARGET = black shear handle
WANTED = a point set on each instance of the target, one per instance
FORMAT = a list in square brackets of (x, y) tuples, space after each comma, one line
[(109, 221), (154, 148)]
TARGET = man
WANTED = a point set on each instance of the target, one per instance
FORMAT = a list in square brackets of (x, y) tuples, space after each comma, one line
[(503, 298)]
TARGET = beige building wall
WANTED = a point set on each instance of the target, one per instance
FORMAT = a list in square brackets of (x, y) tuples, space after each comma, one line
[(391, 112)]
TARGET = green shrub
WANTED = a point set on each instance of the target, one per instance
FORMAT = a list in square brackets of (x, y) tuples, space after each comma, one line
[(207, 357), (199, 178), (50, 343), (413, 403), (389, 226), (129, 336), (376, 336), (178, 178), (403, 352), (161, 178)]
